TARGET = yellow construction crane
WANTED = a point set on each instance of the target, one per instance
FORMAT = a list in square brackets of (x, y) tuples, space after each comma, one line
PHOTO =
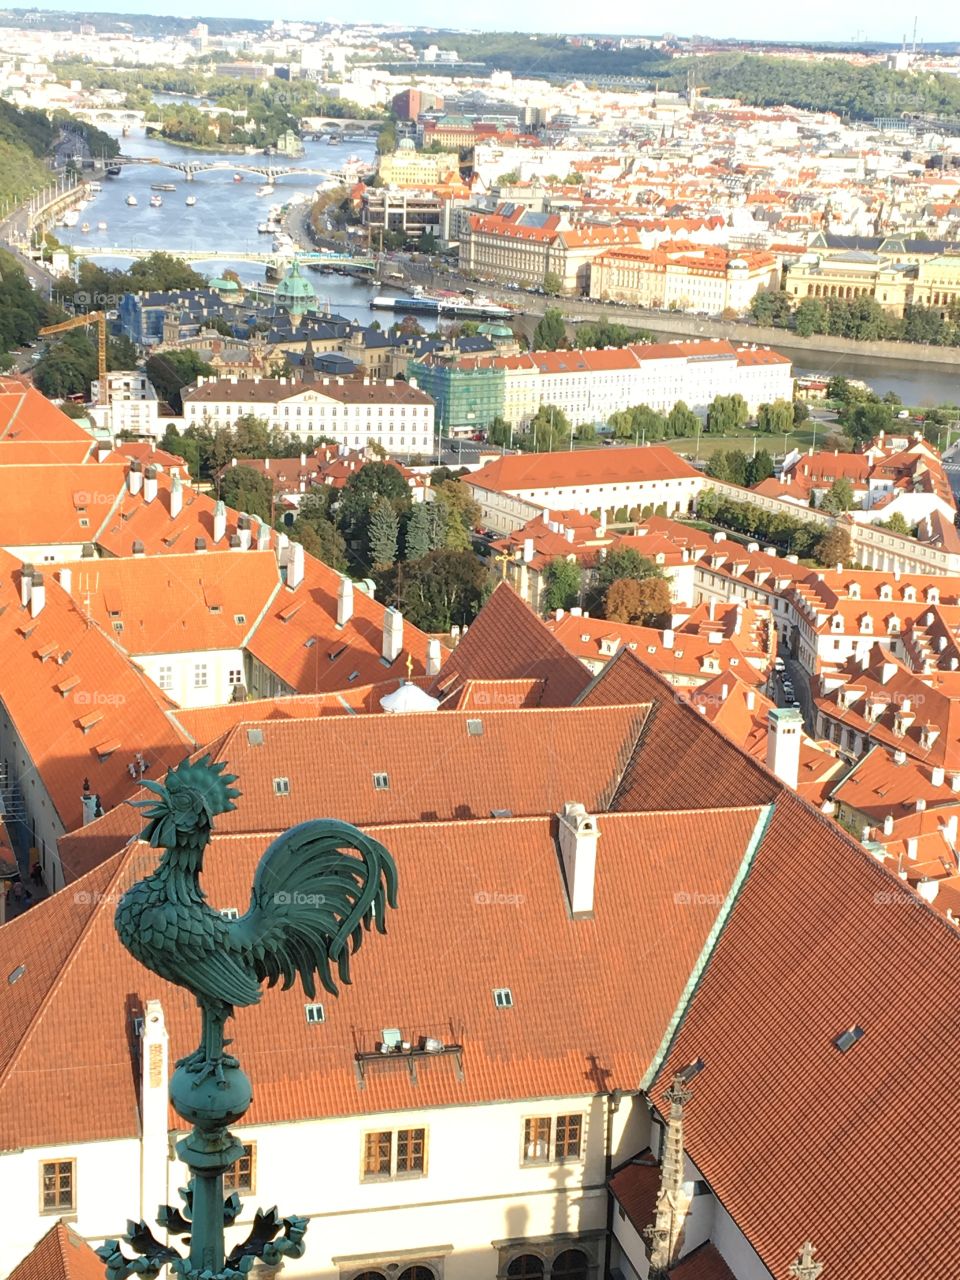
[(100, 320)]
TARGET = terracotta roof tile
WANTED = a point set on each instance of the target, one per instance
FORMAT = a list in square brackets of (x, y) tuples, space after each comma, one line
[(634, 1186), (46, 505), (586, 466), (60, 1255)]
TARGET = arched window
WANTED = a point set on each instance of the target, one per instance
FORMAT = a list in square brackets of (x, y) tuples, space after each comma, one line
[(570, 1265), (527, 1267), (417, 1273)]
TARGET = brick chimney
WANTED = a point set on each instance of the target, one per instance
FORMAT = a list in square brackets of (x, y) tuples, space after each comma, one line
[(176, 497), (578, 835), (784, 735), (344, 602), (38, 595), (392, 634)]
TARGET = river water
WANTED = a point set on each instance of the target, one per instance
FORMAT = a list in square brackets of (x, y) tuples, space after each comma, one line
[(225, 216)]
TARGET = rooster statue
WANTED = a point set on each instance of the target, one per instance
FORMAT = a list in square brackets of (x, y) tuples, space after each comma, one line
[(317, 889)]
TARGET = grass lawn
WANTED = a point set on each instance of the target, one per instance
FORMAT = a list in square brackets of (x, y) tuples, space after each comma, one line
[(801, 438)]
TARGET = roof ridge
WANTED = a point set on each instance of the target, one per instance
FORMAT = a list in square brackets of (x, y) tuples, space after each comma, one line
[(104, 897)]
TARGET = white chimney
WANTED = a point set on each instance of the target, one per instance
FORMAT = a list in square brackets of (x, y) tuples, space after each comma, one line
[(578, 835), (295, 565), (344, 602), (135, 477), (149, 484), (928, 890), (950, 830), (527, 550), (263, 537), (751, 700), (244, 532), (219, 522), (937, 775), (784, 735), (912, 845), (154, 1084), (26, 581), (434, 655), (65, 578), (176, 497), (888, 825), (887, 671), (668, 639), (38, 594), (392, 634)]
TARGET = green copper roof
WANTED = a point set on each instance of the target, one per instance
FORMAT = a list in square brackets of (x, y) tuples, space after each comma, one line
[(294, 288), (223, 285)]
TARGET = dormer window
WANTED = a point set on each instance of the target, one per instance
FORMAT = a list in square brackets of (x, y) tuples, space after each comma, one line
[(886, 591)]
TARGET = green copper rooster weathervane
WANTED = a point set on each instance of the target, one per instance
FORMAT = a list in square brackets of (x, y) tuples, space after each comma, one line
[(317, 888)]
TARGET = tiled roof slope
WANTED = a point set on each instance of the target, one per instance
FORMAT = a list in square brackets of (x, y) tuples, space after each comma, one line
[(496, 882), (78, 703), (705, 1263), (509, 642), (44, 505), (25, 414), (679, 755), (587, 466), (60, 1255), (21, 453), (823, 939)]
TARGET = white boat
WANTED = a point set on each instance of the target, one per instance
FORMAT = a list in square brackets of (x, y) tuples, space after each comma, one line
[(190, 201), (85, 228), (131, 200), (156, 202), (101, 226), (70, 218), (266, 190), (94, 188)]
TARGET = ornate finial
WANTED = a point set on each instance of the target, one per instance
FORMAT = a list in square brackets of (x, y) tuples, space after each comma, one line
[(409, 665), (317, 890), (805, 1268), (678, 1095)]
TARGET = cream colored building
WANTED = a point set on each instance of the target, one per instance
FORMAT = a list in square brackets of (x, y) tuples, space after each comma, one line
[(407, 167), (683, 277), (856, 274), (938, 282)]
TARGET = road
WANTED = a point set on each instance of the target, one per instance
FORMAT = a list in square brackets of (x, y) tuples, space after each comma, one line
[(800, 680)]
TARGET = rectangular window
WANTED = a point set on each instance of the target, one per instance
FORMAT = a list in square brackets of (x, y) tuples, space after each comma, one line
[(235, 677), (165, 678), (536, 1140), (243, 1176), (398, 1153), (57, 1186), (566, 1142), (200, 675)]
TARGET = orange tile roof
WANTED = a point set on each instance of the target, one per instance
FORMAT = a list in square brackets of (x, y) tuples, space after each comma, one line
[(704, 1263), (635, 1186), (80, 706), (815, 946), (507, 641), (25, 414), (508, 901), (177, 603), (22, 453), (48, 505), (523, 471), (60, 1255)]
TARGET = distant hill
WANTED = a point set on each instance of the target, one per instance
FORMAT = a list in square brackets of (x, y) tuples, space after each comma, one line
[(139, 24)]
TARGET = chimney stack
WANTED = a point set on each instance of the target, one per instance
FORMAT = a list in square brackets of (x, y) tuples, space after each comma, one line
[(26, 581), (888, 825), (294, 565), (135, 476), (937, 775), (392, 634), (578, 836), (344, 602), (154, 1084), (668, 638), (38, 594), (244, 532), (65, 578), (219, 521), (527, 550), (433, 656), (150, 484), (176, 497), (784, 734), (263, 537)]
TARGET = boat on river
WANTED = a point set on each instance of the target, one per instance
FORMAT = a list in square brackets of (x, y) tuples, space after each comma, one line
[(238, 177), (156, 202), (85, 228), (163, 186), (131, 200), (190, 201), (101, 226)]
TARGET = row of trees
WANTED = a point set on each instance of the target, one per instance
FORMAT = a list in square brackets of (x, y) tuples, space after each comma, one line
[(862, 319), (101, 288), (551, 333), (791, 534), (626, 587)]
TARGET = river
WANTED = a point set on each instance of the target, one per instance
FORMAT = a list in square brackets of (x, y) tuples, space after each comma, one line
[(225, 216)]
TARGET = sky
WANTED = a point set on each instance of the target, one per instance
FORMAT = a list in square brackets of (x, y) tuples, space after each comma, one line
[(882, 20)]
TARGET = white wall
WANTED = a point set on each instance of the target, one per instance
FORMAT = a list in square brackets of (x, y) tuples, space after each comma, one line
[(176, 675), (37, 809)]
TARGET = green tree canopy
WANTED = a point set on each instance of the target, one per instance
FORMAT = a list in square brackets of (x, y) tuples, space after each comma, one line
[(247, 490), (562, 587), (550, 333), (839, 497)]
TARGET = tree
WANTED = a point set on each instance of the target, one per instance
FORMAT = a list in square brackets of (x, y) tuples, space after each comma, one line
[(562, 584), (865, 419), (549, 430), (355, 509), (726, 413), (461, 511), (322, 540), (550, 333), (839, 497), (416, 542), (383, 533), (443, 588), (800, 412), (247, 490), (681, 421), (759, 468), (776, 418), (552, 284), (499, 431), (708, 504), (169, 371), (834, 547), (251, 437), (647, 602), (897, 524), (619, 562)]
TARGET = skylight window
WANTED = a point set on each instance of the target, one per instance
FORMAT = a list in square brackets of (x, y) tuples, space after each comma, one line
[(281, 786), (503, 997), (17, 974), (475, 728), (381, 782), (254, 737), (847, 1039), (314, 1013), (240, 619)]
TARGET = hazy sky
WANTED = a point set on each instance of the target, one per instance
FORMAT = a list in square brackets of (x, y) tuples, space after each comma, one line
[(751, 19)]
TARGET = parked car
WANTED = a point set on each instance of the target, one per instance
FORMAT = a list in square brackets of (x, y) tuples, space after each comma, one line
[(779, 664)]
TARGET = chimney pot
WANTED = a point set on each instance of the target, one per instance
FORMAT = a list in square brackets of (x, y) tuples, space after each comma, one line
[(888, 825), (344, 602), (38, 595), (578, 836), (434, 656), (784, 736), (392, 634)]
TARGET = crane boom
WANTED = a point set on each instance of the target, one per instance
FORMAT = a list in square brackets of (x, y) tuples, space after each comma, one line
[(100, 320)]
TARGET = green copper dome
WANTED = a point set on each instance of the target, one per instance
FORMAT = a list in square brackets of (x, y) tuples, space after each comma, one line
[(222, 285), (294, 292)]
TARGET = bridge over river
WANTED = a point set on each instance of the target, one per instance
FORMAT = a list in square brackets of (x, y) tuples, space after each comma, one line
[(271, 257), (268, 167)]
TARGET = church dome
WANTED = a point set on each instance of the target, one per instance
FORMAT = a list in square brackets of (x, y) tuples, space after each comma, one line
[(407, 144), (294, 292)]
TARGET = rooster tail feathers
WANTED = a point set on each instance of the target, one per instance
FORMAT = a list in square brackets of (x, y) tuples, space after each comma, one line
[(318, 888)]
